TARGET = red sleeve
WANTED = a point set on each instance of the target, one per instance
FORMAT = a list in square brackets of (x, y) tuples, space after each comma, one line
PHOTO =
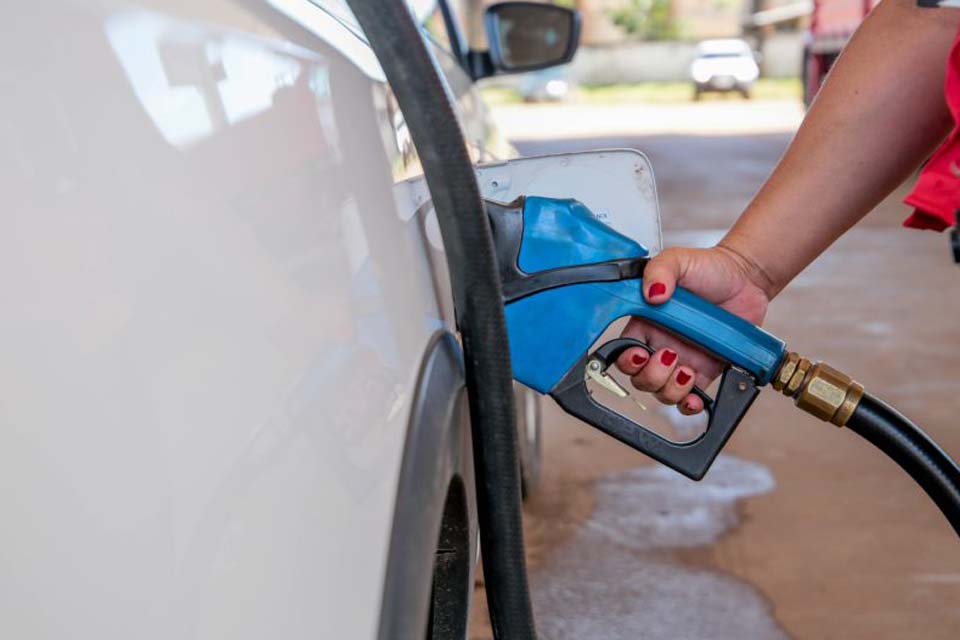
[(936, 196)]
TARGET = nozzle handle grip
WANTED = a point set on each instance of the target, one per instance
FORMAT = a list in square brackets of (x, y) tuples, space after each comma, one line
[(705, 325)]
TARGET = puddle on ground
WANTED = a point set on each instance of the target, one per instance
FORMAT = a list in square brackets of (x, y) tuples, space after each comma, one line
[(614, 580)]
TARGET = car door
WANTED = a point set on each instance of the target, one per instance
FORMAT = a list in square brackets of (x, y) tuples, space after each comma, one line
[(216, 309)]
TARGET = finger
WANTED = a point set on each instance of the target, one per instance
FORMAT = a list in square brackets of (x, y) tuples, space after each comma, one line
[(657, 371), (706, 367), (632, 360), (661, 274), (677, 386), (691, 405)]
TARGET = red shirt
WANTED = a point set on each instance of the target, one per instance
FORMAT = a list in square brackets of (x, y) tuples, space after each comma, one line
[(936, 196)]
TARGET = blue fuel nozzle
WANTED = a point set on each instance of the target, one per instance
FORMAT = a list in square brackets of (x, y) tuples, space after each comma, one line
[(566, 277)]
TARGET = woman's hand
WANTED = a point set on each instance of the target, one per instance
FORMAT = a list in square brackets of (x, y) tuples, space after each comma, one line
[(722, 276)]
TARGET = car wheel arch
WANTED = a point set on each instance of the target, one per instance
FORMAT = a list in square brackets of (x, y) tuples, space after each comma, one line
[(435, 509)]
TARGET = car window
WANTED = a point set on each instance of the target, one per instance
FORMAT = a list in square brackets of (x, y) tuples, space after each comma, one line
[(429, 15), (459, 12), (339, 10)]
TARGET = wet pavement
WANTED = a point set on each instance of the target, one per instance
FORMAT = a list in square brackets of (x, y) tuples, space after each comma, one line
[(801, 529), (612, 580)]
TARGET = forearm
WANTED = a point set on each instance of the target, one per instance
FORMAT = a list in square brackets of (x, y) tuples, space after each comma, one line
[(880, 114)]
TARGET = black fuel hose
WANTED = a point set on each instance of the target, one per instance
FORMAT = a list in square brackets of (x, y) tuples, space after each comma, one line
[(468, 242), (912, 449)]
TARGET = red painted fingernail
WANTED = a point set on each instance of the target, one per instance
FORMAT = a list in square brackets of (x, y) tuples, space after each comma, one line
[(657, 289), (668, 357), (683, 377), (638, 359)]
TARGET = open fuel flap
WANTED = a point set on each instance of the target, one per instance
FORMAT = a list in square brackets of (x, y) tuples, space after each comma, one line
[(616, 185)]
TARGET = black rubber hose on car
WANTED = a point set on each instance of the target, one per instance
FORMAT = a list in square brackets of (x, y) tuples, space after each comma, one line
[(422, 96), (913, 450)]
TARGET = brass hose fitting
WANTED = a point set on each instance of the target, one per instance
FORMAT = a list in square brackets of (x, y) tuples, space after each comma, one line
[(818, 389)]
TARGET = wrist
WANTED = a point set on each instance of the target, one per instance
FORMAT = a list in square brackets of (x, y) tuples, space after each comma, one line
[(752, 268)]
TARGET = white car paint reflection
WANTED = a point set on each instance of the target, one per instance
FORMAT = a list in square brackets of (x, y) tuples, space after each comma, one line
[(209, 343)]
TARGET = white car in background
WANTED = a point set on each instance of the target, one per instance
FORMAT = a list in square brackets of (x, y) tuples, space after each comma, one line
[(232, 395), (724, 65)]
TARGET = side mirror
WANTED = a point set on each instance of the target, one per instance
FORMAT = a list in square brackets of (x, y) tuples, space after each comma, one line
[(525, 36)]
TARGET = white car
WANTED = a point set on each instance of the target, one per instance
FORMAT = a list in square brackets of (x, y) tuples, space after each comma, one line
[(724, 65), (232, 395)]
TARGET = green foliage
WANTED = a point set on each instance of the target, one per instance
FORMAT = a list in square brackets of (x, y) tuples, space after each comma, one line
[(647, 19), (775, 89)]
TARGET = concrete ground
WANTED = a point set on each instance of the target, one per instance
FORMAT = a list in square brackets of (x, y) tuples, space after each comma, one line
[(802, 529)]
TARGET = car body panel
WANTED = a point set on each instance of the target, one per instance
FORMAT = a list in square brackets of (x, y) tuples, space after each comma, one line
[(210, 343)]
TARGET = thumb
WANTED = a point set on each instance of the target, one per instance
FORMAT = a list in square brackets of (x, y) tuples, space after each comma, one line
[(661, 274)]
